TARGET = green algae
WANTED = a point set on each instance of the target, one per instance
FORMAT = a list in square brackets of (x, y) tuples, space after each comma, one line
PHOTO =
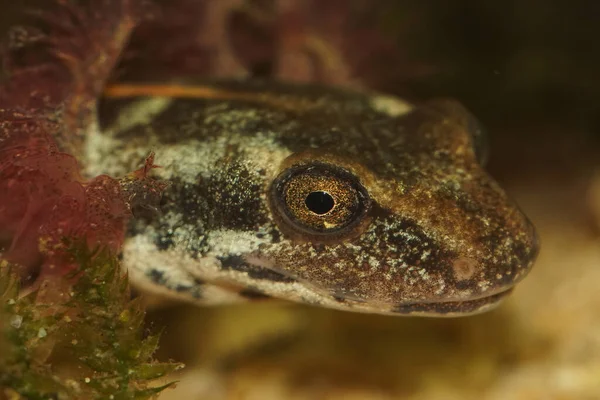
[(80, 336)]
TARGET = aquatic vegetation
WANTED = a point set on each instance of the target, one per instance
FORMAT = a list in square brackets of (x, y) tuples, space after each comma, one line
[(85, 340), (68, 326)]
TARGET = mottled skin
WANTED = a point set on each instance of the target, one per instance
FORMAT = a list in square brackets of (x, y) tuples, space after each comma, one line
[(439, 236), (418, 226)]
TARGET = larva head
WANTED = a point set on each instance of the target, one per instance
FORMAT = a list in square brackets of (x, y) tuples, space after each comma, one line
[(344, 200)]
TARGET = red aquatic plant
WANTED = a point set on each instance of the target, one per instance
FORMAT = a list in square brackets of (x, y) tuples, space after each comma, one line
[(361, 43), (54, 74)]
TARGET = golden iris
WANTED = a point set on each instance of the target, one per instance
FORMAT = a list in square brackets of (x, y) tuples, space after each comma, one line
[(320, 199)]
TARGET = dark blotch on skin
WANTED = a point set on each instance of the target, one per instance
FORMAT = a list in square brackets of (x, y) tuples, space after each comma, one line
[(156, 276), (216, 203), (275, 236), (164, 242), (234, 197), (191, 119), (339, 299), (195, 291), (219, 202), (253, 294), (237, 263), (185, 288)]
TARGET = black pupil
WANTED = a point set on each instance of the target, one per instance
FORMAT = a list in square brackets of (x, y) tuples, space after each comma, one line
[(319, 202)]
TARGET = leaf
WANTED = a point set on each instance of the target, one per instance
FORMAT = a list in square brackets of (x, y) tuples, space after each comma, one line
[(150, 392), (148, 347), (154, 370), (9, 282)]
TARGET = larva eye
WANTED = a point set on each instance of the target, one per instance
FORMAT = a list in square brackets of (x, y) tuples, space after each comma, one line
[(319, 199)]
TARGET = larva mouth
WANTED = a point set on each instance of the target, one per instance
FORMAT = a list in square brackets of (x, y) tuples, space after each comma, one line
[(440, 308), (453, 308)]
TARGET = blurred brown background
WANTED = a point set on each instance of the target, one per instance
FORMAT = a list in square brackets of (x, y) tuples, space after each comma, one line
[(515, 59)]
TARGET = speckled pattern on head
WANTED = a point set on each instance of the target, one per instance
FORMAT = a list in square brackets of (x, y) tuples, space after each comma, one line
[(438, 236)]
